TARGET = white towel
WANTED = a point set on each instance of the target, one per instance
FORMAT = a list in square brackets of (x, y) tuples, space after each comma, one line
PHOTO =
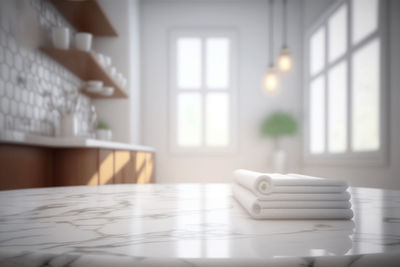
[(263, 184), (251, 204), (292, 203), (344, 196)]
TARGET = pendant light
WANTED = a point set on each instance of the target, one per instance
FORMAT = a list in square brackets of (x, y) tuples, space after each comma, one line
[(271, 77), (285, 58)]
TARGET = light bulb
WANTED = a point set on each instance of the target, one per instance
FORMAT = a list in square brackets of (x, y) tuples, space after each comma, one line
[(271, 80), (285, 61)]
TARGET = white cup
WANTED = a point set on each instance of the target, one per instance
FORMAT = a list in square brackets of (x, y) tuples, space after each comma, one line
[(61, 38), (83, 41), (94, 86)]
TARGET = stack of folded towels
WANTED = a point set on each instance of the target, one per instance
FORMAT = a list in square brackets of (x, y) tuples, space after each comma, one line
[(291, 196)]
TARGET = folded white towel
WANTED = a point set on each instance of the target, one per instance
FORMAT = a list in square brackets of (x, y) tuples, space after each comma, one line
[(263, 184), (250, 202), (344, 196), (289, 203)]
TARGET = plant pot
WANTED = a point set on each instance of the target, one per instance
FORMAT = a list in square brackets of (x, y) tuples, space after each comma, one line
[(279, 161), (104, 134)]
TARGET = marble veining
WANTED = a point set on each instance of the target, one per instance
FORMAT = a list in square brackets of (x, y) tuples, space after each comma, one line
[(186, 225)]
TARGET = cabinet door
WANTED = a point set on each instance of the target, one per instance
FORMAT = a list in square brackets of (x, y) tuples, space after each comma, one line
[(75, 166), (25, 167), (140, 167), (106, 166), (124, 169), (144, 167), (150, 167)]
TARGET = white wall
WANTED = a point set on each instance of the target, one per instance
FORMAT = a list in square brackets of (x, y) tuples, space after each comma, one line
[(250, 19), (387, 176), (122, 114)]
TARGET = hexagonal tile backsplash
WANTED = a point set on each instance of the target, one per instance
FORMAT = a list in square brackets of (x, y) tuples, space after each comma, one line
[(35, 91)]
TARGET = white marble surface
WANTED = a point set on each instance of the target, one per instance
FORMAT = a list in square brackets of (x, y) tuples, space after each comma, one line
[(186, 225), (66, 142)]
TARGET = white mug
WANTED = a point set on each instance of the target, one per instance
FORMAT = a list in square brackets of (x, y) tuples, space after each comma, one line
[(83, 41), (61, 38)]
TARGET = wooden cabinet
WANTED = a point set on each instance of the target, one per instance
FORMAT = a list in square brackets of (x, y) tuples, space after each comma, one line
[(144, 167), (26, 167), (75, 167), (106, 166), (124, 167)]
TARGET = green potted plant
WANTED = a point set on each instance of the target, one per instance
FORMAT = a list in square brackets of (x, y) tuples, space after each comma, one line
[(275, 126), (103, 131)]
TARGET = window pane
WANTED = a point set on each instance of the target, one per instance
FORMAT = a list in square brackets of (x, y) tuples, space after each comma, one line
[(189, 119), (365, 101), (317, 115), (217, 63), (365, 18), (337, 33), (317, 51), (189, 63), (337, 122), (217, 119)]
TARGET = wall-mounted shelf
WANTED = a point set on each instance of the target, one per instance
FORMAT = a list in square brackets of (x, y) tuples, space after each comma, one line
[(86, 16), (84, 65)]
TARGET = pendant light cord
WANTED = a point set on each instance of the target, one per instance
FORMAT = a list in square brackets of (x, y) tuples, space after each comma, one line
[(284, 24), (271, 32)]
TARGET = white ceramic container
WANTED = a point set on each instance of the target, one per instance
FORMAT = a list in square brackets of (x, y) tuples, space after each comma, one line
[(69, 125), (83, 41), (104, 134), (108, 91), (95, 83), (61, 38)]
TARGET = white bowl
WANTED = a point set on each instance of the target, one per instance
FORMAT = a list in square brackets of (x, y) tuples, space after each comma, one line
[(94, 90), (108, 91), (94, 83)]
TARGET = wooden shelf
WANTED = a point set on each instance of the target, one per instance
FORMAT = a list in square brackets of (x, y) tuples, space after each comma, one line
[(85, 66), (86, 16)]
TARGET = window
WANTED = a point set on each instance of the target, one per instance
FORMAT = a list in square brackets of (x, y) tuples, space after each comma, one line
[(202, 77), (344, 96)]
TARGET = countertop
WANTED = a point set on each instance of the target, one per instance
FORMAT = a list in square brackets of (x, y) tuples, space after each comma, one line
[(66, 142), (186, 225)]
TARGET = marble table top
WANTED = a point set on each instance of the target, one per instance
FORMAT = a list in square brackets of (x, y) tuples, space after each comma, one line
[(186, 225)]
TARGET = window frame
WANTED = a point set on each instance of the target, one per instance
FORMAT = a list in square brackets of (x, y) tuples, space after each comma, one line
[(363, 158), (231, 91)]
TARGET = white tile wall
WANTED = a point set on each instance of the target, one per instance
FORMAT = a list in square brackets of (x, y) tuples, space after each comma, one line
[(36, 91)]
